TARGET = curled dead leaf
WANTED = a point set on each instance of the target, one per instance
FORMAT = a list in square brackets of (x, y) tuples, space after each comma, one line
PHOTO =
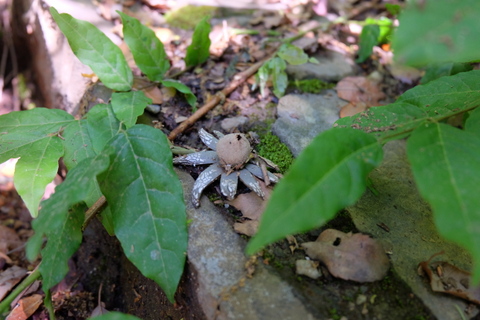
[(447, 278), (349, 256), (360, 89)]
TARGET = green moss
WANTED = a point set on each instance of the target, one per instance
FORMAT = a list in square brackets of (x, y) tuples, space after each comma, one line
[(312, 85), (188, 17), (273, 149)]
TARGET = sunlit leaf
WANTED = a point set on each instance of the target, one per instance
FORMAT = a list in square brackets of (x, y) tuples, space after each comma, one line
[(146, 48), (199, 51), (292, 54), (95, 50)]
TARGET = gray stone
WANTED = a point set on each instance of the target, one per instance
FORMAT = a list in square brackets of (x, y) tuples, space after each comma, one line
[(331, 66), (215, 253), (229, 124), (302, 117), (412, 237)]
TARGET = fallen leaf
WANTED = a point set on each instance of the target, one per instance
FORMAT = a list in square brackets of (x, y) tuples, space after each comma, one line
[(9, 278), (447, 278), (100, 308), (405, 74), (248, 227), (25, 307), (360, 89), (351, 109), (8, 239), (349, 256)]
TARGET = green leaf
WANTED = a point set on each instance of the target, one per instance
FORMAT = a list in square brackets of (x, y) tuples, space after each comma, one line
[(61, 226), (368, 39), (199, 51), (292, 54), (149, 213), (327, 176), (438, 31), (146, 49), (436, 100), (261, 77), (102, 124), (34, 137), (112, 315), (127, 106), (95, 50), (473, 122), (445, 162), (438, 70), (78, 143), (279, 76), (191, 99), (393, 9)]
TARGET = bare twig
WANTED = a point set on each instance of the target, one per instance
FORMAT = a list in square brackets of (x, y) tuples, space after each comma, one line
[(216, 99)]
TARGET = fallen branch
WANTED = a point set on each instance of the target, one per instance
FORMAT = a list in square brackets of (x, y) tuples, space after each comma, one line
[(216, 99)]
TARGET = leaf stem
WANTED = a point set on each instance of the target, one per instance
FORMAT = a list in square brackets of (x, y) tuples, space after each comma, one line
[(48, 304), (32, 277), (93, 210)]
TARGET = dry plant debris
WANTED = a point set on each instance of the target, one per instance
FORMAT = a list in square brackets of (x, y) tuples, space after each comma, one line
[(361, 92), (447, 278), (349, 256)]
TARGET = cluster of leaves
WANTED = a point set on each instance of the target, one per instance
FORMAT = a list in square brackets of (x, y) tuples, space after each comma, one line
[(331, 173), (106, 154), (274, 69)]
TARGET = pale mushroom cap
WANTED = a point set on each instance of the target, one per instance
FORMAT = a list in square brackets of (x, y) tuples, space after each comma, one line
[(233, 150)]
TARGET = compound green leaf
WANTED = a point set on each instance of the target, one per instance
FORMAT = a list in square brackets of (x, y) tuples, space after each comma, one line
[(438, 31), (78, 143), (127, 106), (436, 100), (445, 163), (368, 39), (59, 224), (292, 54), (102, 124), (34, 137), (327, 176), (95, 50), (199, 51), (147, 50), (148, 213), (191, 99), (113, 315)]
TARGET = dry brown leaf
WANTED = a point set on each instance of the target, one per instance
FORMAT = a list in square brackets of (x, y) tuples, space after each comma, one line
[(248, 227), (8, 239), (25, 307), (405, 74), (447, 278), (349, 256), (360, 89), (351, 109), (307, 268), (9, 278)]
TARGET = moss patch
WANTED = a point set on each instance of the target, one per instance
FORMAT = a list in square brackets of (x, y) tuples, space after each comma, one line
[(273, 149), (311, 85)]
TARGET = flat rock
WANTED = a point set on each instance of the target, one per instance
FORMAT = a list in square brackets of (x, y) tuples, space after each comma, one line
[(215, 253), (412, 237), (332, 66), (301, 117)]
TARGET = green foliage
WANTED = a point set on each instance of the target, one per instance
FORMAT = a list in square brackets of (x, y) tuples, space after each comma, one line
[(187, 17), (445, 163), (95, 50), (394, 9), (191, 99), (113, 315), (312, 85), (148, 213), (274, 69), (444, 159), (438, 31), (147, 50), (437, 70), (127, 106), (273, 149), (106, 153), (317, 186), (199, 51), (368, 39)]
